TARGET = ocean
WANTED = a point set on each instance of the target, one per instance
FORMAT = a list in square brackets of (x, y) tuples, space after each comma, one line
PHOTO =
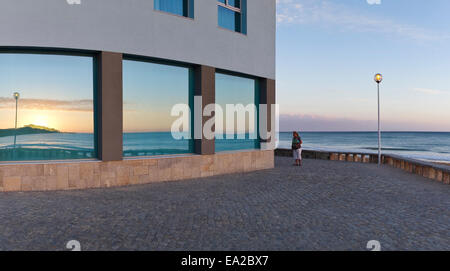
[(431, 146), (58, 146)]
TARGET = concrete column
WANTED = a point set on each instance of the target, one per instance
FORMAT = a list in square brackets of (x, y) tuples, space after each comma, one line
[(205, 86), (267, 96), (109, 110)]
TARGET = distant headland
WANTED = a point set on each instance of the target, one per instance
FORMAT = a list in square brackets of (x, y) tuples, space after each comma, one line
[(28, 130)]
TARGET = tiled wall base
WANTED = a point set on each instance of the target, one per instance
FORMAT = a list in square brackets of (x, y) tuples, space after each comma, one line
[(95, 174)]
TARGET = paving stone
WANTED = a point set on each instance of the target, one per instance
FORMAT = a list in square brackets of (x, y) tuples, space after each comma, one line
[(324, 205)]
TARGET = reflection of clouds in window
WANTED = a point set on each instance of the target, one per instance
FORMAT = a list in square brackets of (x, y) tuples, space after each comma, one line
[(45, 104)]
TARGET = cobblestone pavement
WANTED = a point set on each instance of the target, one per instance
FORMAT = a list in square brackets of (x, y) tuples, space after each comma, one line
[(325, 205)]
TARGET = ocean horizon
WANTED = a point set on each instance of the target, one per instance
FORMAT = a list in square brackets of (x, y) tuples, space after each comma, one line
[(429, 146)]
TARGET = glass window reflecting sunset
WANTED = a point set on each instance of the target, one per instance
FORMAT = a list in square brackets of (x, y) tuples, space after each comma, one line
[(150, 91), (55, 118)]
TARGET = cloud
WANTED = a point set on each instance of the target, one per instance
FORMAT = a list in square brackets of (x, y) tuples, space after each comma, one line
[(344, 18), (301, 122), (374, 2), (429, 91), (46, 104)]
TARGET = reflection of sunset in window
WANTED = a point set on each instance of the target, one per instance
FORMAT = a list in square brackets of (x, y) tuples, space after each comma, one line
[(56, 91), (40, 120), (55, 108)]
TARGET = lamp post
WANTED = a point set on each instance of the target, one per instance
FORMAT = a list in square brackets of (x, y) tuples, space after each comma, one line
[(16, 97), (378, 79)]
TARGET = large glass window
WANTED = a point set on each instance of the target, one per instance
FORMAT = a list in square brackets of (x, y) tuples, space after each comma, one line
[(179, 7), (150, 91), (232, 15), (237, 129), (46, 107)]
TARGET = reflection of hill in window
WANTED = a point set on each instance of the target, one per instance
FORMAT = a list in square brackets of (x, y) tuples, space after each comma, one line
[(28, 130)]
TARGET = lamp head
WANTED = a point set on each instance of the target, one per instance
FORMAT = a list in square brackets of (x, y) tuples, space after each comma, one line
[(16, 95), (378, 78)]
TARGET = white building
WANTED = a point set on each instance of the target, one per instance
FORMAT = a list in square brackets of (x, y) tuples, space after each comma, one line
[(108, 71)]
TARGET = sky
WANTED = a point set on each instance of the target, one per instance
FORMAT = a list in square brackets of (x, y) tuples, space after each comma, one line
[(56, 91), (329, 51)]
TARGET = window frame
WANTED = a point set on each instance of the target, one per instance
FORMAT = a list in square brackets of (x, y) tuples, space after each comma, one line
[(228, 6)]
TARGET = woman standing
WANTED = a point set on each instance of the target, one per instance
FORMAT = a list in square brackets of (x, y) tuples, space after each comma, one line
[(297, 149)]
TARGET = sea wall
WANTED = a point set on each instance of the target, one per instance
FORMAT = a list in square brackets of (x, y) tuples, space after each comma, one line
[(428, 170), (69, 175)]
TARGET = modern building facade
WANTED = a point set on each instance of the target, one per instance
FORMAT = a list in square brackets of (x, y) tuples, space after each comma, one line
[(97, 82)]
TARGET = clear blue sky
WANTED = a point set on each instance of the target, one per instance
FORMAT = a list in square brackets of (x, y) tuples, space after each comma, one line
[(328, 52)]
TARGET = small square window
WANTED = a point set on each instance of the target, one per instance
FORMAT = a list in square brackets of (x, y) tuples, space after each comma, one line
[(232, 15)]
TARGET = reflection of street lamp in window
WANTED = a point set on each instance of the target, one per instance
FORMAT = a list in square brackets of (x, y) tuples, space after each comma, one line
[(16, 97), (378, 79)]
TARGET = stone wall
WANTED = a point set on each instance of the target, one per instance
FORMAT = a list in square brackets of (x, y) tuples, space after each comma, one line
[(47, 176)]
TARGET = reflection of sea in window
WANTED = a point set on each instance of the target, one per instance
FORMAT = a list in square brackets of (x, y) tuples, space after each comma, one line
[(150, 91), (233, 92), (55, 117)]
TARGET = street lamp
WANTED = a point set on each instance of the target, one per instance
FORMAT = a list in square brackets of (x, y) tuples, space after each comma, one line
[(16, 97), (378, 79)]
